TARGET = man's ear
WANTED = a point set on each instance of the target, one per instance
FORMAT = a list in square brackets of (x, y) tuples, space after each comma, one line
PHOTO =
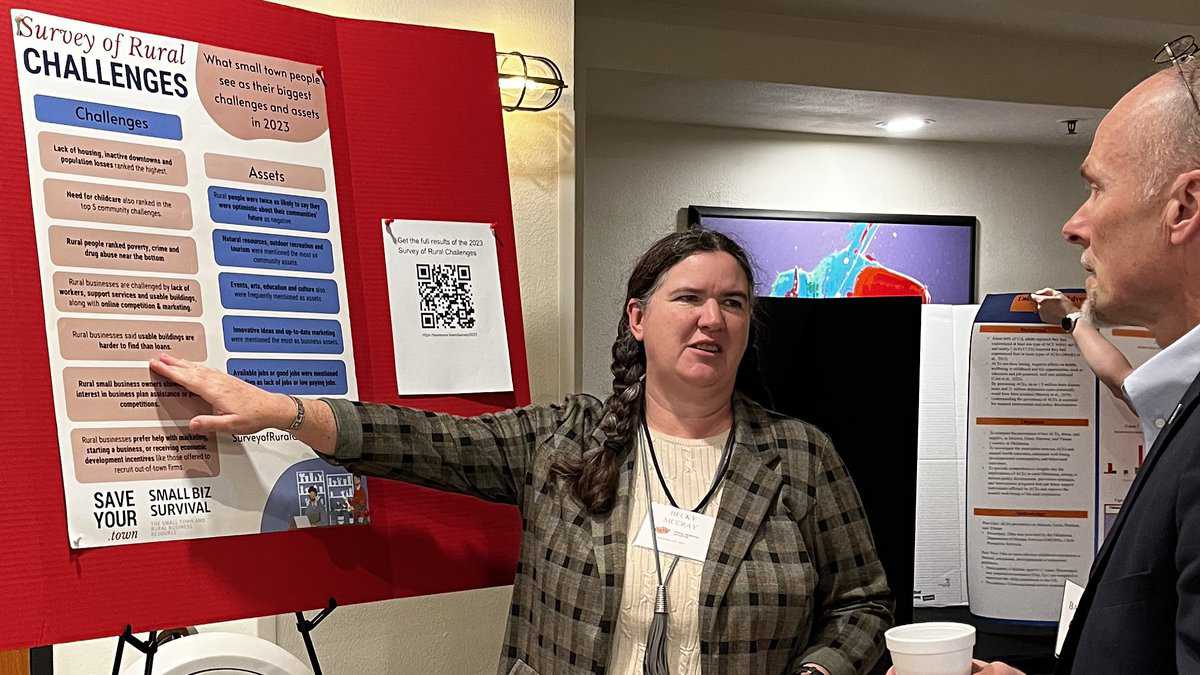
[(635, 313), (1183, 209)]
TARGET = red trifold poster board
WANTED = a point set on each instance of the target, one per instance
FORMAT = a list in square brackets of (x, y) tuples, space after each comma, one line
[(416, 132)]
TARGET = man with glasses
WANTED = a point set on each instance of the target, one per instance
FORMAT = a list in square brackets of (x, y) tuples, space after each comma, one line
[(1140, 234)]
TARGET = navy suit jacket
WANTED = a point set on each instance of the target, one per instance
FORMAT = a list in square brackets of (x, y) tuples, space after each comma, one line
[(1140, 612)]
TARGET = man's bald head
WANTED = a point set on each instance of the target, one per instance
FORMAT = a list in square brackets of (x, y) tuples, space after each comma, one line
[(1161, 125)]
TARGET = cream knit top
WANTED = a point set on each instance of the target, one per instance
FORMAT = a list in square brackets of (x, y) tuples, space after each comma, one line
[(688, 466)]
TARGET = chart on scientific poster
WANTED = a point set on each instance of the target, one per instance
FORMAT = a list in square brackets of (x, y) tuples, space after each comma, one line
[(1122, 447), (184, 202), (1051, 454)]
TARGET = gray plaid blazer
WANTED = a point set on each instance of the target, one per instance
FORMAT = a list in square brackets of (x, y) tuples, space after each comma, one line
[(791, 577)]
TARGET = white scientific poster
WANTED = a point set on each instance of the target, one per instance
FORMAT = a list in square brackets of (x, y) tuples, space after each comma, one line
[(183, 197), (1051, 455), (447, 313), (940, 578), (1030, 484)]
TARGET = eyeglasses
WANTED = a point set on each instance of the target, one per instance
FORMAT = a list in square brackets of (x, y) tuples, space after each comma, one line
[(1178, 51)]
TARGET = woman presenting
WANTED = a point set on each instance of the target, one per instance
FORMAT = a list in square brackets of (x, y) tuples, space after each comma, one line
[(756, 558)]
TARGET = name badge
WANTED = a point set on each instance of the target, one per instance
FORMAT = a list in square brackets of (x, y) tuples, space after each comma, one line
[(1071, 594), (680, 532)]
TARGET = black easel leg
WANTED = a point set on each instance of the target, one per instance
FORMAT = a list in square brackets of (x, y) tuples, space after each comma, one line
[(148, 648), (120, 651), (150, 653), (305, 627)]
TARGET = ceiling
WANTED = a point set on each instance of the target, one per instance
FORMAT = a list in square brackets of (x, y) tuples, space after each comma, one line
[(1119, 23), (821, 110), (1096, 26)]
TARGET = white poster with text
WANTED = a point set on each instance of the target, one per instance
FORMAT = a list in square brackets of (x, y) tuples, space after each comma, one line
[(183, 197)]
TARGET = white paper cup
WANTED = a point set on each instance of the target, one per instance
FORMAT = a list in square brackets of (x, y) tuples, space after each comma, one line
[(934, 648)]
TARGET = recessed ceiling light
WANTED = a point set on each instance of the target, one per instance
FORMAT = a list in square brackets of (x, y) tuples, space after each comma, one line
[(901, 125)]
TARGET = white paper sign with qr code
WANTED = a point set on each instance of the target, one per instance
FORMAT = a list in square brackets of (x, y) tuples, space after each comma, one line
[(447, 312)]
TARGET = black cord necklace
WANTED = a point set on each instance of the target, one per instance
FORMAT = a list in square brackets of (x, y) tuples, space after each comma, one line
[(655, 660), (721, 466)]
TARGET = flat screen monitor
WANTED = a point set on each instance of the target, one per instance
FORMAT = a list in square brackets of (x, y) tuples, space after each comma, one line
[(801, 254)]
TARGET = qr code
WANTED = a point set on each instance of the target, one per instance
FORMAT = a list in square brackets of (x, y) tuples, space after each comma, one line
[(447, 299)]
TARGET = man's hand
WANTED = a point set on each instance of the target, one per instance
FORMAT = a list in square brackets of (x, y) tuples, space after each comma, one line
[(1053, 305), (993, 668)]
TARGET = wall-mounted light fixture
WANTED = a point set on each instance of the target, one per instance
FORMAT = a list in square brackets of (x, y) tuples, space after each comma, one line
[(530, 83)]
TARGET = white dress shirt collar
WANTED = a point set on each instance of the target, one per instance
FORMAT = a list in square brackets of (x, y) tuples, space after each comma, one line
[(1156, 387)]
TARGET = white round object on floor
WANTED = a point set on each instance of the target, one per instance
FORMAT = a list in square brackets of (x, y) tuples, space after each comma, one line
[(220, 654)]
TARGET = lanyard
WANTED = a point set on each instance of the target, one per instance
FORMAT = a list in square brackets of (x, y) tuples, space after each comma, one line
[(655, 659), (712, 489)]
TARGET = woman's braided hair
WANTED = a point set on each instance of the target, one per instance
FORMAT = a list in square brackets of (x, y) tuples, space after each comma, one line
[(593, 477)]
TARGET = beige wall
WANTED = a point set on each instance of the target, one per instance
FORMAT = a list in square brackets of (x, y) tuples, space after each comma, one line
[(640, 174), (459, 632)]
